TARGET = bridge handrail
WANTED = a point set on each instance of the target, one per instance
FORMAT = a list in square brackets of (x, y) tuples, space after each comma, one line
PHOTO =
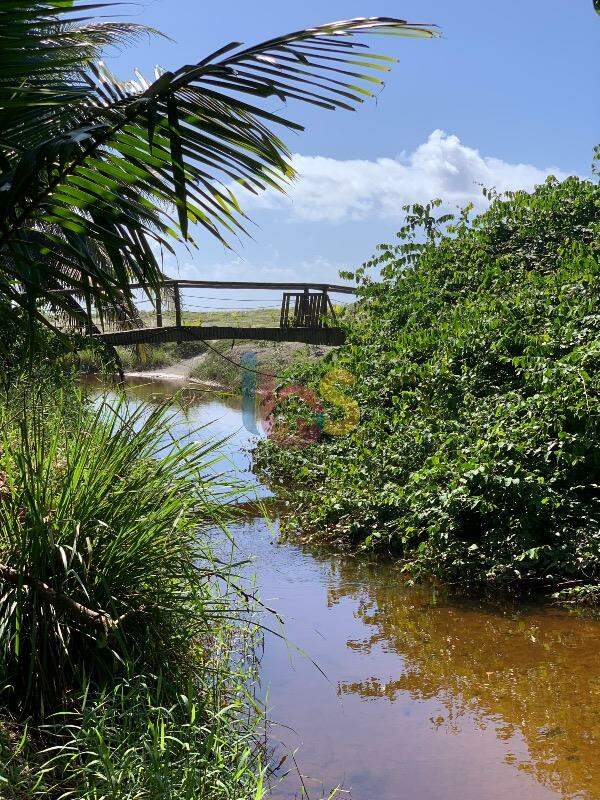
[(189, 284), (300, 308)]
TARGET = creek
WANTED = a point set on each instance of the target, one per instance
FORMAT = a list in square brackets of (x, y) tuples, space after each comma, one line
[(397, 693)]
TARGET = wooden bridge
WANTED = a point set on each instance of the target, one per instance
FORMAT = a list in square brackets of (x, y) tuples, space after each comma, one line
[(306, 314)]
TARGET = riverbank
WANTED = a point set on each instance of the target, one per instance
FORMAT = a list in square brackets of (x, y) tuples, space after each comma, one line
[(474, 365), (179, 372), (216, 364), (223, 363), (424, 693), (126, 650)]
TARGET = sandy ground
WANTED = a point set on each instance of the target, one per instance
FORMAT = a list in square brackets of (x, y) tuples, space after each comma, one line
[(181, 371), (176, 372)]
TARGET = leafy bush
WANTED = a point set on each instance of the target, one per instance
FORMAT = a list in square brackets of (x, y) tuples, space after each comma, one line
[(25, 345), (477, 366)]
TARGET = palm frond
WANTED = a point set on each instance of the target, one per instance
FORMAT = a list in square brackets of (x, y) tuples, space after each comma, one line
[(108, 161), (45, 50)]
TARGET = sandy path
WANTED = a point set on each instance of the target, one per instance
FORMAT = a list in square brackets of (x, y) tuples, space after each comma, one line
[(176, 372)]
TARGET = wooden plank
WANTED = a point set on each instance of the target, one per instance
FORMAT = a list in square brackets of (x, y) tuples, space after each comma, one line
[(159, 319), (323, 308), (308, 312), (185, 284), (190, 333), (284, 317)]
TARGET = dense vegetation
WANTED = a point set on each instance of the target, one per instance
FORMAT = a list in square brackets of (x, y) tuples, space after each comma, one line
[(117, 672), (116, 645), (477, 371)]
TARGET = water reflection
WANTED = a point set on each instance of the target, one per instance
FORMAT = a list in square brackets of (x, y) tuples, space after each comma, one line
[(199, 415), (424, 698), (533, 674)]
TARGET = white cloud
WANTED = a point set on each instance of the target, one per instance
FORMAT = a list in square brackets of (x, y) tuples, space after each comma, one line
[(319, 270), (333, 190)]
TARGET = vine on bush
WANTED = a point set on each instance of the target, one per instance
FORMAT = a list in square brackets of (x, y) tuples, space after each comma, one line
[(476, 355)]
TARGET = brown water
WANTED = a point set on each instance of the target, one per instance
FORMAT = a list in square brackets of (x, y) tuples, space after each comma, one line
[(421, 698)]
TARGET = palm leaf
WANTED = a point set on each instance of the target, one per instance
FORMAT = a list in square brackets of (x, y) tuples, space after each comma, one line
[(106, 162)]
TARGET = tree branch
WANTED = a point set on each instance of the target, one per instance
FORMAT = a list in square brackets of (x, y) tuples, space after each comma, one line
[(99, 619)]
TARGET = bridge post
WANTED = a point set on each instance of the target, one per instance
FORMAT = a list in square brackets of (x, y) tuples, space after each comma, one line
[(285, 311), (323, 308), (88, 312), (177, 301), (305, 308), (159, 319)]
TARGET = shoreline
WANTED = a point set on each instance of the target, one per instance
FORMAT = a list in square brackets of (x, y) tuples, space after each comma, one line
[(166, 377), (174, 377)]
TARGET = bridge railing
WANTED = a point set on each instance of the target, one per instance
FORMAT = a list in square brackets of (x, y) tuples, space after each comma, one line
[(306, 305), (182, 307), (181, 302)]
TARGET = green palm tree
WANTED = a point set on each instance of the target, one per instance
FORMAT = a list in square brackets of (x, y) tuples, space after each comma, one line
[(98, 175)]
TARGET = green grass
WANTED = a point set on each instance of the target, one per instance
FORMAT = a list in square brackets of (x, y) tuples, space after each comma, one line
[(140, 358), (221, 363), (251, 317), (148, 357), (117, 626), (134, 740), (90, 511)]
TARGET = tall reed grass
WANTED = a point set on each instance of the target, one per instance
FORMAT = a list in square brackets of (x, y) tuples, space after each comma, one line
[(116, 632)]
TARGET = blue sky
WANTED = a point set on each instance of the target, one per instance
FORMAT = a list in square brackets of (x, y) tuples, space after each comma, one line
[(509, 94)]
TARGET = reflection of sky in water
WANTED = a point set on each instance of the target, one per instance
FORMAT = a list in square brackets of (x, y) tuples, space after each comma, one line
[(199, 416), (422, 698)]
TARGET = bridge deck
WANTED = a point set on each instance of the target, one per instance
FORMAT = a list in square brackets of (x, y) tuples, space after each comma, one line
[(187, 333), (306, 315)]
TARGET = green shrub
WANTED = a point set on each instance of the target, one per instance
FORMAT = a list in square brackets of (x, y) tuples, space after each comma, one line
[(26, 346), (477, 366)]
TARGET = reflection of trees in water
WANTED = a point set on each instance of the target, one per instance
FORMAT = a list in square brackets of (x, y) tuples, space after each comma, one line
[(183, 397), (536, 673)]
